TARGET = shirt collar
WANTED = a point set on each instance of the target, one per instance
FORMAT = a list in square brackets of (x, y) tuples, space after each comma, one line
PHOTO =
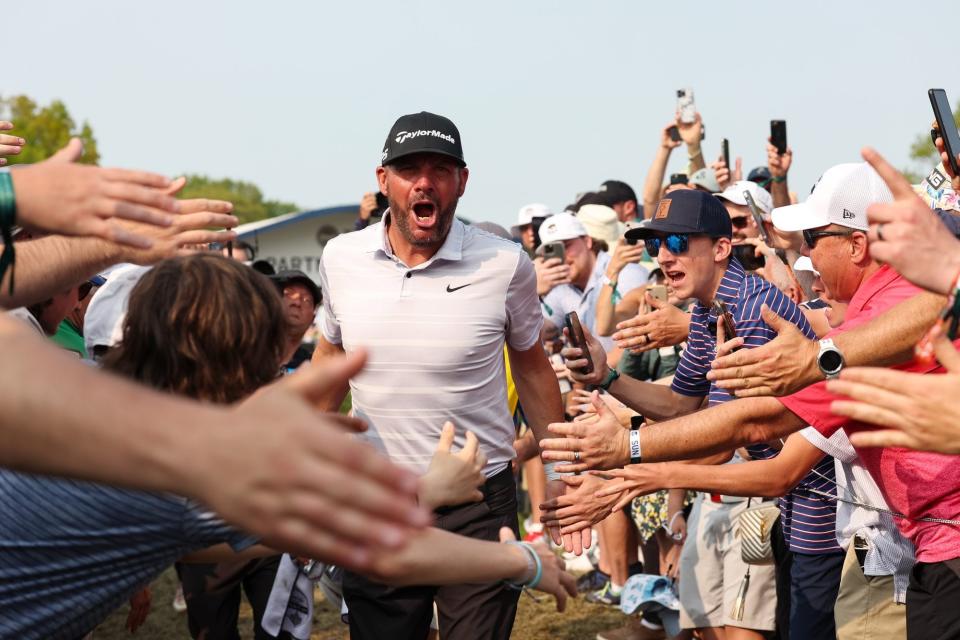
[(451, 249)]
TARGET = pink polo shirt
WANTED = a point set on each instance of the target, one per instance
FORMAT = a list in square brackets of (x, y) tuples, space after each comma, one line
[(915, 483)]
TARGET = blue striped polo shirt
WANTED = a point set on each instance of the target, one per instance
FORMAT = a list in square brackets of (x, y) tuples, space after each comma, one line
[(72, 552), (809, 521)]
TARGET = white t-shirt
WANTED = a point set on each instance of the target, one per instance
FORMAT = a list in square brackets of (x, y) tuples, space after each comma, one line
[(435, 335)]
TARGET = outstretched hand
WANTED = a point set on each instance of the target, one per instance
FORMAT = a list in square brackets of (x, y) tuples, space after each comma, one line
[(9, 145), (906, 228), (664, 326), (453, 478), (554, 579), (603, 443), (582, 506), (778, 368), (304, 485), (918, 411)]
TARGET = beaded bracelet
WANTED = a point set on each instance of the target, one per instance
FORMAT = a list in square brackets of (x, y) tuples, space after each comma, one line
[(8, 217), (533, 562)]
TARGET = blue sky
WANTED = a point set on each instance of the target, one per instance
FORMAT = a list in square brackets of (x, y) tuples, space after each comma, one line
[(551, 98)]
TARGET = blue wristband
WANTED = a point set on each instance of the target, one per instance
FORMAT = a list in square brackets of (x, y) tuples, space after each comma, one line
[(538, 574)]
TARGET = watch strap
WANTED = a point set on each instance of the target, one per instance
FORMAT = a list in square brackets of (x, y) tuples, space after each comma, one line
[(612, 374)]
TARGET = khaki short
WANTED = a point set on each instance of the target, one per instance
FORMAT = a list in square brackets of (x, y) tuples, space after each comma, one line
[(865, 609), (711, 571)]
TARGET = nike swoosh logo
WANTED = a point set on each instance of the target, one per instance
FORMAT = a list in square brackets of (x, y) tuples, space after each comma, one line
[(452, 289)]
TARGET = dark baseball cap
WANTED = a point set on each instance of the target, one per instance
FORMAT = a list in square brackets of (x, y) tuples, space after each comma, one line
[(759, 175), (614, 192), (284, 278), (422, 132), (686, 211)]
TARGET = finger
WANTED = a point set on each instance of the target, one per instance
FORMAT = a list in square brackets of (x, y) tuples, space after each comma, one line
[(576, 548), (70, 153), (736, 364), (946, 354), (654, 303), (559, 449), (506, 534), (107, 208), (312, 383), (202, 238), (897, 184), (348, 423), (176, 185), (572, 481), (575, 526), (554, 532), (5, 125), (755, 392), (355, 526), (572, 468), (10, 149), (623, 502), (569, 584), (571, 429), (890, 399), (115, 233), (136, 194), (307, 539), (885, 438), (888, 379), (586, 539), (480, 460), (144, 178), (865, 412), (196, 205), (775, 322), (446, 437), (204, 220)]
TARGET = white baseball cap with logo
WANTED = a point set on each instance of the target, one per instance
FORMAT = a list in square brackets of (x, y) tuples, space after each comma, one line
[(528, 213), (734, 194), (840, 197), (563, 226)]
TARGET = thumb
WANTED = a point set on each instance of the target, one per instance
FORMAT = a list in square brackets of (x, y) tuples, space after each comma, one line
[(655, 303), (446, 437), (176, 185), (946, 354), (506, 534), (599, 404), (775, 322), (315, 381), (70, 153)]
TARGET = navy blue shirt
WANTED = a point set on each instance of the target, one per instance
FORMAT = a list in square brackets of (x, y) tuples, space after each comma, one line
[(809, 521), (72, 552)]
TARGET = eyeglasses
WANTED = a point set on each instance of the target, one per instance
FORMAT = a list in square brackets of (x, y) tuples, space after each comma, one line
[(677, 243), (811, 237)]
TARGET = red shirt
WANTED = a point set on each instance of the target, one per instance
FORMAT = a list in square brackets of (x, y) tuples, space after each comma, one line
[(914, 483)]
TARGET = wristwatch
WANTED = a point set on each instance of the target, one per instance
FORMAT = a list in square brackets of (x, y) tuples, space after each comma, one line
[(606, 280), (635, 422), (830, 360), (612, 374)]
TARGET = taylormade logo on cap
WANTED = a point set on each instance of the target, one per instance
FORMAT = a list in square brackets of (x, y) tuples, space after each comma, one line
[(403, 136)]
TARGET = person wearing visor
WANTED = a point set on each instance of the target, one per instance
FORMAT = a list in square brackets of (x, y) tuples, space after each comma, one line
[(690, 235)]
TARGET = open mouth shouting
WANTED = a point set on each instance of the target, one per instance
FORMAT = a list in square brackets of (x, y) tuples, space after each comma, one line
[(675, 278), (425, 214)]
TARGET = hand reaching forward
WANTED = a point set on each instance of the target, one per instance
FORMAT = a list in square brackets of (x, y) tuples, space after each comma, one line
[(583, 505), (664, 326), (453, 478), (603, 443), (9, 145), (554, 579)]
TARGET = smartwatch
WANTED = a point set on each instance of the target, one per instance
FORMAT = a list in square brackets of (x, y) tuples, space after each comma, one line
[(830, 360)]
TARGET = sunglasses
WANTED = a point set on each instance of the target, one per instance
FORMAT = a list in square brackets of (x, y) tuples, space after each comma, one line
[(677, 243), (739, 222), (811, 237)]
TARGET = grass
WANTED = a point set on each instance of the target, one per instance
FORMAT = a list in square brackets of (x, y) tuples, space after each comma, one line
[(535, 620)]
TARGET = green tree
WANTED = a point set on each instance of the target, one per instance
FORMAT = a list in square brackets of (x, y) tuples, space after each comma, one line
[(924, 153), (247, 199), (46, 129)]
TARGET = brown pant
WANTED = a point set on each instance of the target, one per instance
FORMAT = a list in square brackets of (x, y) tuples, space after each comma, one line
[(865, 609), (471, 611)]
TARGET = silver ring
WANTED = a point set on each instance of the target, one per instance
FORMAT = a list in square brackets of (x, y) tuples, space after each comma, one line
[(576, 456), (880, 232)]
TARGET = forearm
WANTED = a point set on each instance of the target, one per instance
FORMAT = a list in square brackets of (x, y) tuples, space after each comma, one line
[(81, 430), (780, 193), (436, 557), (756, 478), (656, 401), (223, 553), (539, 393), (52, 264), (889, 339), (331, 400), (652, 185), (606, 321), (695, 159), (717, 429)]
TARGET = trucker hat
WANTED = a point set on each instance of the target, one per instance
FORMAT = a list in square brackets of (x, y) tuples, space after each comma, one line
[(686, 211)]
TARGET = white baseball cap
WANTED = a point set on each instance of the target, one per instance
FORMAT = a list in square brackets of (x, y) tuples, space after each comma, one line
[(103, 323), (706, 178), (563, 226), (734, 194), (601, 222), (841, 197), (804, 263), (527, 213)]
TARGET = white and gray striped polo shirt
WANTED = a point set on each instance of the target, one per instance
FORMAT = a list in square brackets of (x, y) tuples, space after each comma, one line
[(435, 335)]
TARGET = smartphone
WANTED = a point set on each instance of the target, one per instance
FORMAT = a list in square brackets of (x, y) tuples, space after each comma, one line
[(575, 331), (947, 126), (685, 106), (724, 316), (757, 217), (658, 292), (674, 133), (725, 151), (553, 250), (778, 135), (678, 178), (535, 223)]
